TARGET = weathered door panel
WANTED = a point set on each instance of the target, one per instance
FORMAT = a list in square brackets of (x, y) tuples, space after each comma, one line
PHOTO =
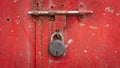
[(17, 34), (92, 42)]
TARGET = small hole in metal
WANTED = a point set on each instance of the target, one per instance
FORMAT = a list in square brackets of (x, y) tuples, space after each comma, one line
[(37, 3), (52, 7), (62, 5), (8, 19)]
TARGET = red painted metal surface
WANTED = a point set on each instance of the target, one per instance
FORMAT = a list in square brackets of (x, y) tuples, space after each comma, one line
[(92, 42), (17, 34)]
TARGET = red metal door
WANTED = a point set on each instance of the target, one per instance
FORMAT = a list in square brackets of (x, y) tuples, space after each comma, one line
[(17, 34), (91, 41)]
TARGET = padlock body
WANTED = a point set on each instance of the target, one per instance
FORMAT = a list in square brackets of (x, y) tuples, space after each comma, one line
[(57, 48)]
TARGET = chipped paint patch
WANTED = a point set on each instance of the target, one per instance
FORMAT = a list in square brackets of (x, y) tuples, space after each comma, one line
[(18, 20), (104, 14), (107, 25), (117, 14), (116, 51), (109, 9), (30, 26), (50, 60), (15, 0), (85, 51), (39, 53), (64, 54), (69, 41), (93, 27), (82, 24), (93, 34), (12, 30), (58, 61), (106, 64), (97, 57), (18, 16)]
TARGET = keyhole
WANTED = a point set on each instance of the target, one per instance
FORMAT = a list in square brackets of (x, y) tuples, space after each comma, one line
[(56, 53)]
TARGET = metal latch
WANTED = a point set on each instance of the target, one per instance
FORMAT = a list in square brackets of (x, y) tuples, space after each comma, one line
[(81, 11), (52, 13), (59, 12)]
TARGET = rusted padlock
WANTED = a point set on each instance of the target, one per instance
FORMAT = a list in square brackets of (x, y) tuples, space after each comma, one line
[(57, 47)]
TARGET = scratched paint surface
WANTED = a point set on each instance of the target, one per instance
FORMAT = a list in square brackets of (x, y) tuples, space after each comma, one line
[(17, 34), (91, 42)]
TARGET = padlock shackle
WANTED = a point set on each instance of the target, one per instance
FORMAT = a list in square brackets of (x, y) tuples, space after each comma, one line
[(57, 33)]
